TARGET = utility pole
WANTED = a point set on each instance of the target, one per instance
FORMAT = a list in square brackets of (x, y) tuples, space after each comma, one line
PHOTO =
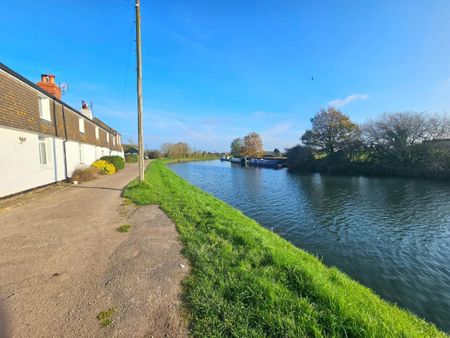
[(139, 91)]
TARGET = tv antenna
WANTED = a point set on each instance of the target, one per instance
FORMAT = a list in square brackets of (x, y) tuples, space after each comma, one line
[(64, 87)]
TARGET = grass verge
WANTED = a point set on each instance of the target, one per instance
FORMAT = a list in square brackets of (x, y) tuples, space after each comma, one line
[(248, 282)]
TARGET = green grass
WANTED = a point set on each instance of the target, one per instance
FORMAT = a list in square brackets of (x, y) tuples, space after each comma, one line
[(248, 282), (124, 228), (105, 317)]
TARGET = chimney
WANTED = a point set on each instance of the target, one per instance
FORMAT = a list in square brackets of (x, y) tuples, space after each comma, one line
[(85, 110), (48, 84)]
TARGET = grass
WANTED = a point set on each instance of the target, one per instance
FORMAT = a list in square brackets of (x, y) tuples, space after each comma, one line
[(124, 228), (105, 317), (248, 282)]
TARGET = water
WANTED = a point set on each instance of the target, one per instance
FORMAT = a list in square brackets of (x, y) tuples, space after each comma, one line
[(390, 234)]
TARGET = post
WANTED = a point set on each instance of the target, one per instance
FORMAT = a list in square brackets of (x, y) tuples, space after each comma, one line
[(139, 91)]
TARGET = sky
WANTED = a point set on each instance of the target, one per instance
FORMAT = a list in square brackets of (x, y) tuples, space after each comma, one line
[(216, 70)]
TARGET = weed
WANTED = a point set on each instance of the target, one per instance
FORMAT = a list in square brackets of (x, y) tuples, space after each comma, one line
[(124, 228), (105, 317)]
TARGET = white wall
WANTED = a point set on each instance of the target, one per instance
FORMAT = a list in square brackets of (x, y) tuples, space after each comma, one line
[(20, 167)]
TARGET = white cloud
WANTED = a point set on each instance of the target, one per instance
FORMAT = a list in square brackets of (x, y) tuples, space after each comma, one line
[(349, 99)]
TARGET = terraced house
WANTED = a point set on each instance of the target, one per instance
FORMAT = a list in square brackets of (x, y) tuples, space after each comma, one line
[(42, 139)]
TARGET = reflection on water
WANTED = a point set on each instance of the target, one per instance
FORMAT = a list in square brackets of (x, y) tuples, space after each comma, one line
[(391, 234)]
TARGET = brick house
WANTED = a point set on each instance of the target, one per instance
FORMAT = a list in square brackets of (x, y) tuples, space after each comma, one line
[(43, 140)]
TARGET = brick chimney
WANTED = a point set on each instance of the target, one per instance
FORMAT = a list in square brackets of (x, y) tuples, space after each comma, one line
[(48, 84)]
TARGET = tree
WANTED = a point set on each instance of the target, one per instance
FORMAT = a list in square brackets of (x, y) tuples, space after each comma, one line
[(331, 131), (236, 147), (300, 158), (405, 138), (277, 152), (153, 153), (253, 146), (176, 150)]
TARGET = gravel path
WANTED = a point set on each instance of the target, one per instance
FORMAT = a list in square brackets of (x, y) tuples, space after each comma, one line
[(62, 262)]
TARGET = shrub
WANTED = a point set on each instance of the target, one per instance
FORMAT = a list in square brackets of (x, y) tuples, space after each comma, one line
[(117, 161), (131, 158), (84, 174), (104, 167)]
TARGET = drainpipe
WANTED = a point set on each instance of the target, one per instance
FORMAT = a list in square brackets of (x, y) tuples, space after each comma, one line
[(64, 142)]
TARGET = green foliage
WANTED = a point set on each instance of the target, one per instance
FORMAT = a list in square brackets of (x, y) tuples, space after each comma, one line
[(331, 131), (104, 167), (131, 158), (117, 161), (248, 282), (124, 228), (236, 147), (105, 317)]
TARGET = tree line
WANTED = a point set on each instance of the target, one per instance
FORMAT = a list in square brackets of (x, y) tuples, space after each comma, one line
[(405, 143), (173, 150)]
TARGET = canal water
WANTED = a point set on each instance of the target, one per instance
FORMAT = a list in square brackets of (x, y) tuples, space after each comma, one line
[(390, 234)]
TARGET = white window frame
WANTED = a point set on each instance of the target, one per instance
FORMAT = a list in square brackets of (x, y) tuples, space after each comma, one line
[(44, 108), (97, 133), (81, 147), (114, 141), (107, 137), (45, 151), (81, 125)]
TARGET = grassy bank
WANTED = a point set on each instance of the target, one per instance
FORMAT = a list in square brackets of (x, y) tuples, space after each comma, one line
[(248, 282)]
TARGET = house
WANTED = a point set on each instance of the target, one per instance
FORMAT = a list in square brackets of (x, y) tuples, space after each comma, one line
[(43, 140), (132, 151)]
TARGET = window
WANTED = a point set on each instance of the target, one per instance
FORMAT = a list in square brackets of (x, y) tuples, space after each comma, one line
[(81, 125), (114, 141), (96, 133), (45, 150), (81, 154), (42, 151), (107, 137), (44, 108)]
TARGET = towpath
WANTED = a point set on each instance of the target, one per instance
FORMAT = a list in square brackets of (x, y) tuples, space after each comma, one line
[(62, 262)]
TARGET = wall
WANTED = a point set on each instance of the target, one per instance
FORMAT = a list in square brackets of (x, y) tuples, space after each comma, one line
[(20, 167)]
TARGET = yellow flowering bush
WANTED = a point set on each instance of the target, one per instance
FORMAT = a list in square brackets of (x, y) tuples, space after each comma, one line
[(104, 167)]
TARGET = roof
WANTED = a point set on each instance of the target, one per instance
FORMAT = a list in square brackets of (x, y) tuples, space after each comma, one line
[(35, 86)]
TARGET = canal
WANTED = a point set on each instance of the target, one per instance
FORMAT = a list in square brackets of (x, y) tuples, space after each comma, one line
[(390, 234)]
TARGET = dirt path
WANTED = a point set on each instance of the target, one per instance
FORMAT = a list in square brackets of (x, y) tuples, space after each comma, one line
[(62, 262)]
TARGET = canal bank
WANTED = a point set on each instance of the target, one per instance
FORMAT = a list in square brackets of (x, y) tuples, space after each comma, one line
[(247, 281)]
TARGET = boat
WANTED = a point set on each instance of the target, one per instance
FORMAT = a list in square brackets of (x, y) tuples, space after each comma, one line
[(258, 162)]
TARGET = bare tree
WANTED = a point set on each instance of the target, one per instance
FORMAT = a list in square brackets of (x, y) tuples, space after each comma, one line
[(402, 137)]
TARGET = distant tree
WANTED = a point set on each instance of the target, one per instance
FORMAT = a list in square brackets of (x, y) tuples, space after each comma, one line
[(331, 131), (300, 158), (405, 138), (277, 152), (154, 153), (253, 146), (236, 147), (176, 150)]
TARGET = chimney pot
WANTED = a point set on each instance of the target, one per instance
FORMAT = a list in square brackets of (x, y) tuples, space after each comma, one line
[(48, 84)]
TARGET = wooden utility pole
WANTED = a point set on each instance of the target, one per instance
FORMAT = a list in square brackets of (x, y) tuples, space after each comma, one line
[(139, 91)]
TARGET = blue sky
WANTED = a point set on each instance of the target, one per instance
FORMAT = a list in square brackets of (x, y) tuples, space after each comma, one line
[(215, 70)]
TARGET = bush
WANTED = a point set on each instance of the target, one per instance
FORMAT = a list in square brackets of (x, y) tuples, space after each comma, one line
[(84, 174), (130, 158), (104, 167), (117, 161)]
